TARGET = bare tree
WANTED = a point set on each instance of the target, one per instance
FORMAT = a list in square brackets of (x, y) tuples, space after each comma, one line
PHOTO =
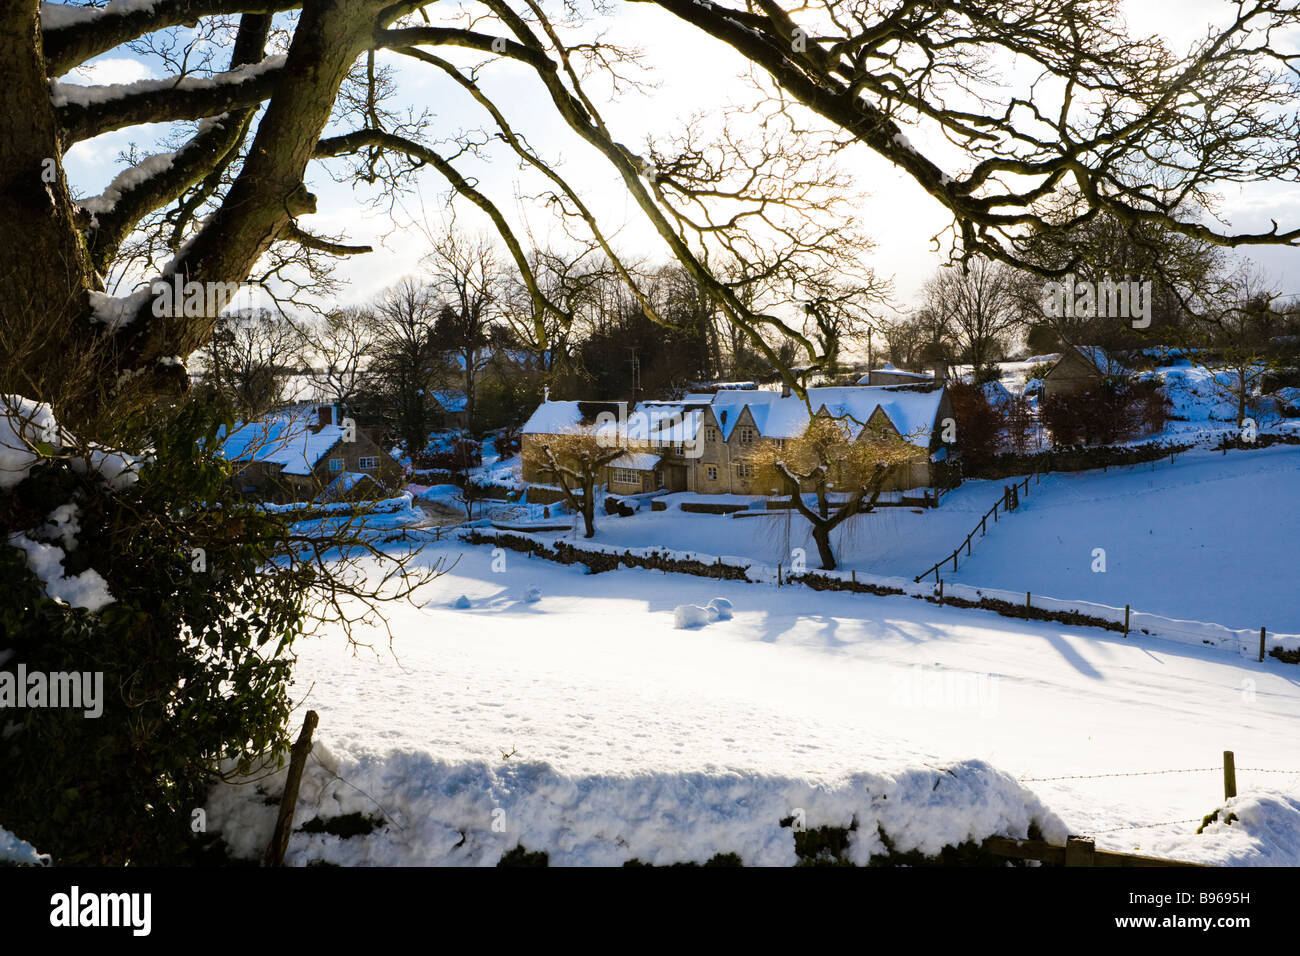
[(341, 347), (577, 463), (834, 455), (979, 306), (1239, 336), (248, 360), (405, 356), (1100, 122), (465, 274)]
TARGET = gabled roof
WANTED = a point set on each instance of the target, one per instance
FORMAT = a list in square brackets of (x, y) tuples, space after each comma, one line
[(889, 369), (911, 410), (451, 400), (1098, 358), (284, 438), (554, 418)]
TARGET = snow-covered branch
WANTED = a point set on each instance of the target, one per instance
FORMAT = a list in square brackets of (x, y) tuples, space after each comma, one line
[(87, 111)]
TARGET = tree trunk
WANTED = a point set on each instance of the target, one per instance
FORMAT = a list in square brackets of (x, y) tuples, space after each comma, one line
[(822, 535), (589, 509), (54, 349), (45, 271)]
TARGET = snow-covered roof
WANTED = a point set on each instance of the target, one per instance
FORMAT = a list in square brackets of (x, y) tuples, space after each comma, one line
[(345, 482), (554, 418), (912, 412), (285, 438), (1099, 358), (451, 400), (889, 369), (637, 461)]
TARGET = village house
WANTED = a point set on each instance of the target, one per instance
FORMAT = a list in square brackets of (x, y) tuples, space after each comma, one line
[(707, 443), (1080, 368), (308, 452), (449, 407)]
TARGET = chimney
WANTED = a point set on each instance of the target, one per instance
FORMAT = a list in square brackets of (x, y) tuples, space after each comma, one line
[(324, 416)]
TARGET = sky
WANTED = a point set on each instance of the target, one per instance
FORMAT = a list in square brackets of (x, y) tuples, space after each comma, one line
[(691, 73)]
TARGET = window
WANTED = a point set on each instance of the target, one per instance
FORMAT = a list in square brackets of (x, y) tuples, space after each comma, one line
[(710, 434), (336, 464), (368, 462), (712, 472), (780, 444), (744, 471), (626, 476), (746, 435)]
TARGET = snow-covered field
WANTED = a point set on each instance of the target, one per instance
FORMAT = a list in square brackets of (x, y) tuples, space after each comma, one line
[(585, 724), (1208, 538)]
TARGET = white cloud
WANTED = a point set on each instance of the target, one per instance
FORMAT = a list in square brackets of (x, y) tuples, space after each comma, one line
[(108, 71)]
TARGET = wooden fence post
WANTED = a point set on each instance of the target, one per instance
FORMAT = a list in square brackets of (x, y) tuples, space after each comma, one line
[(968, 546), (1080, 851), (284, 822), (778, 575), (1261, 645), (1027, 604), (940, 592), (1126, 610), (954, 559), (1229, 776), (854, 575)]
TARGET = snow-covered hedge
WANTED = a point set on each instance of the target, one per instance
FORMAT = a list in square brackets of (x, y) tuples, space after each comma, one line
[(434, 813)]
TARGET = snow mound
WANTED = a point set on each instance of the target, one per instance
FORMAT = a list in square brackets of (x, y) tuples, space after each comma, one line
[(87, 589), (435, 812), (23, 423), (1266, 832), (14, 850), (461, 603), (691, 615), (532, 595), (723, 607)]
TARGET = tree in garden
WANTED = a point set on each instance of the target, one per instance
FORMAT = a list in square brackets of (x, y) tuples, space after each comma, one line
[(851, 460), (978, 434), (1240, 335), (576, 462)]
